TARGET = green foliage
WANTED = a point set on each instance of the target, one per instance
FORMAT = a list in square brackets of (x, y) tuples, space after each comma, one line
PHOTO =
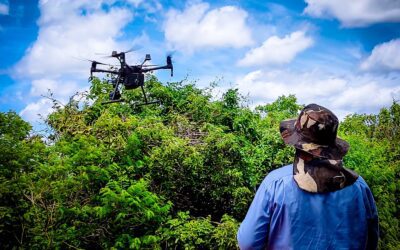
[(20, 154), (184, 232), (180, 175), (375, 154)]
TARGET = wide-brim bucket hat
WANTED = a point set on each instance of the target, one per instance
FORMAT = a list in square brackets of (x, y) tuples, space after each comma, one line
[(315, 132)]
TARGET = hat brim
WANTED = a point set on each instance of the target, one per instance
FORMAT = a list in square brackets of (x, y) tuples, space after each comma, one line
[(290, 136)]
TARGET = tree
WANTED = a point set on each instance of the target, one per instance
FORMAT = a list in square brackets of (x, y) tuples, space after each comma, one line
[(178, 175)]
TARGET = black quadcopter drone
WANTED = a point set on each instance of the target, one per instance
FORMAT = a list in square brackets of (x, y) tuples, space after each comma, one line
[(131, 77)]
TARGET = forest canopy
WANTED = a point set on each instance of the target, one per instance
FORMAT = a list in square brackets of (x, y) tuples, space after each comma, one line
[(177, 175)]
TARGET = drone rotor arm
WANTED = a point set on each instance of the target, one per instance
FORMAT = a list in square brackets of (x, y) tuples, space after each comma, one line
[(144, 70), (105, 71)]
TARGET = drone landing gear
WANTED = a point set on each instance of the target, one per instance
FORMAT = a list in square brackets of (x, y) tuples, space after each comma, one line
[(115, 96), (134, 104), (146, 102)]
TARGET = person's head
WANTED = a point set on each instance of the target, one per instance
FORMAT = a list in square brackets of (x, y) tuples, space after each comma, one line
[(318, 165), (315, 132)]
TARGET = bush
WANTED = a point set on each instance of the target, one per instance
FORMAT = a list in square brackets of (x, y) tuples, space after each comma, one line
[(179, 175)]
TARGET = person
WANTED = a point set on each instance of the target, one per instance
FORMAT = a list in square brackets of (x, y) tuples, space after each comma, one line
[(314, 203)]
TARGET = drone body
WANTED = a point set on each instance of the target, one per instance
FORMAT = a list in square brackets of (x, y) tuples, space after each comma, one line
[(131, 77)]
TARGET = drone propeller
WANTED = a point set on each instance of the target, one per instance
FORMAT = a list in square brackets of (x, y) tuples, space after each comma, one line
[(150, 65), (130, 50), (101, 54), (134, 48), (92, 61), (96, 62), (170, 53), (107, 56)]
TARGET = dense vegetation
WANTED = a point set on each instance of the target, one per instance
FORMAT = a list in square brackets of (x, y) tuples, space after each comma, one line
[(180, 175)]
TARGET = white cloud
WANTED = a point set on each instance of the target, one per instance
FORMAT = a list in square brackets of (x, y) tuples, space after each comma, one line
[(277, 50), (41, 86), (384, 57), (61, 40), (151, 6), (199, 27), (357, 13), (369, 95), (42, 107), (62, 89), (342, 94), (4, 9), (67, 30), (135, 3)]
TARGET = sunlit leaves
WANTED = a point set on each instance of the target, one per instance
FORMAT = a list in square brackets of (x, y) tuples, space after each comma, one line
[(177, 175)]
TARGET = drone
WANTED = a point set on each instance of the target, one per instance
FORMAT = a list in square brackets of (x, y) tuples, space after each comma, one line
[(131, 77)]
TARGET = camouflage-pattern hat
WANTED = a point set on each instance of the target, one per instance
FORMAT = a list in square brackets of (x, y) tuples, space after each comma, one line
[(315, 132)]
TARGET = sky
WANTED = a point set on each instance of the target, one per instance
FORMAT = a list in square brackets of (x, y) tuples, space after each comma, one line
[(344, 55)]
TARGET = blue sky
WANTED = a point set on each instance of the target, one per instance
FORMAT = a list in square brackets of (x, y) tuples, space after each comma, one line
[(342, 54)]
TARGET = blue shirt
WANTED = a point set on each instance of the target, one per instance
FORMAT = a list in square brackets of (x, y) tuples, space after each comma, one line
[(283, 216)]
